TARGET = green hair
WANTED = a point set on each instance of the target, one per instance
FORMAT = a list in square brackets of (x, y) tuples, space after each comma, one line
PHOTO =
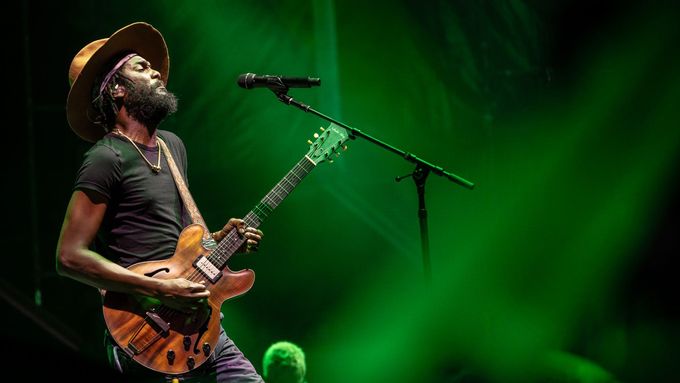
[(284, 362)]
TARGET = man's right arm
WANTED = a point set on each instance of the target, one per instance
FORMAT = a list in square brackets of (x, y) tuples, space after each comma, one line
[(75, 260)]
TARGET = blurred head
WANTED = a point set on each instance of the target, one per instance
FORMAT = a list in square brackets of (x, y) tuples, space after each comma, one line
[(284, 362)]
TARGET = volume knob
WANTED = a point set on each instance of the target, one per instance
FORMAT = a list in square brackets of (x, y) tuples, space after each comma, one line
[(206, 349)]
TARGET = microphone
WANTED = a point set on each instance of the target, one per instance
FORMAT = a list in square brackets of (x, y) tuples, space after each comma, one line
[(276, 83)]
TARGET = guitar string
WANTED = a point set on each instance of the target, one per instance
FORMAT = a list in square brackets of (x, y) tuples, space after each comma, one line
[(232, 244), (274, 198), (278, 191)]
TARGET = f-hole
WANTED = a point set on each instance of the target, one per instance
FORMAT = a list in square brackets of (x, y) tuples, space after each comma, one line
[(151, 274)]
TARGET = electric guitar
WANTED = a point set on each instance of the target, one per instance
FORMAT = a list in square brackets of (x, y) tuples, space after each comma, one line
[(174, 342)]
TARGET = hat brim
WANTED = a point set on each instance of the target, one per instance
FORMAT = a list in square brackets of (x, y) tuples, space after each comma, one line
[(140, 38)]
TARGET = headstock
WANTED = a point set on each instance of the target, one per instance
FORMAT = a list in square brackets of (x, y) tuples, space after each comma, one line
[(330, 141)]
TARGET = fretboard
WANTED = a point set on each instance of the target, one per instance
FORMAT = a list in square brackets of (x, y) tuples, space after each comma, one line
[(262, 210)]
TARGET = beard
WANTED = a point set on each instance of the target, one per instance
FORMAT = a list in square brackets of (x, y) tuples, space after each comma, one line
[(149, 105)]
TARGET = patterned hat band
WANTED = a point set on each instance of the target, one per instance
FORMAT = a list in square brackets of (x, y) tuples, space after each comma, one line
[(113, 71)]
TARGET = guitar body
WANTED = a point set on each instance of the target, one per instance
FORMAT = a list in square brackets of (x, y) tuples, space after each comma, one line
[(167, 340)]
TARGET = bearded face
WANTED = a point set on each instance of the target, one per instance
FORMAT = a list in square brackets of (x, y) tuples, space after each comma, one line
[(150, 103)]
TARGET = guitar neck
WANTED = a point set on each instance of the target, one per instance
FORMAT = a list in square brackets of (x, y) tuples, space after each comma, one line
[(262, 210), (282, 189)]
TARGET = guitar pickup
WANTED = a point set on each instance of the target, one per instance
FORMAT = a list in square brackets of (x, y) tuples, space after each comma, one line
[(207, 269)]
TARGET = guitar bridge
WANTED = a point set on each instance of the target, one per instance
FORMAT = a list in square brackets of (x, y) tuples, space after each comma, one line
[(155, 319), (157, 328)]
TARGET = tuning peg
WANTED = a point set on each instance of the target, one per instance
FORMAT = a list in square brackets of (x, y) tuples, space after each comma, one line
[(321, 128), (316, 135), (330, 161), (344, 147), (309, 142), (337, 154)]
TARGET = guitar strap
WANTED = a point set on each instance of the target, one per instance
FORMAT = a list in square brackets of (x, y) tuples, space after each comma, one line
[(189, 203)]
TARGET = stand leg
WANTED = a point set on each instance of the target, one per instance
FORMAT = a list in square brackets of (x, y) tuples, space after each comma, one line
[(420, 176)]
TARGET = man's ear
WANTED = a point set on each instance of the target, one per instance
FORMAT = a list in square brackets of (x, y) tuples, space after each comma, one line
[(118, 91)]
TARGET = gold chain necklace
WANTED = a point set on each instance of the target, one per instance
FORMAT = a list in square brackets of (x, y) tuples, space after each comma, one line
[(155, 168)]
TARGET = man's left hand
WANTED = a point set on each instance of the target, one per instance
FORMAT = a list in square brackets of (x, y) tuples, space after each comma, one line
[(253, 236)]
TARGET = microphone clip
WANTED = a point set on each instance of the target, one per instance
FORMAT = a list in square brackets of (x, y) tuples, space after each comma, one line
[(276, 85), (286, 99)]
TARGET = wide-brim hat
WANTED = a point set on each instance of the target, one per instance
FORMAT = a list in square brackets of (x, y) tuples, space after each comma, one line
[(90, 62)]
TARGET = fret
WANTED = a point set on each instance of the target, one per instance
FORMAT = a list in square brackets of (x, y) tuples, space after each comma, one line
[(261, 211), (252, 219)]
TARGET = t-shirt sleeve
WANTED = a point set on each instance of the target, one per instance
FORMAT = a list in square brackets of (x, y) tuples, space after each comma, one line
[(100, 171)]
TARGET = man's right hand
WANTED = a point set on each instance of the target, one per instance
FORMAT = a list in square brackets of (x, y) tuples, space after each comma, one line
[(183, 295)]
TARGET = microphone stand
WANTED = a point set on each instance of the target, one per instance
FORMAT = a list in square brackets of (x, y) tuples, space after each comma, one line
[(419, 175)]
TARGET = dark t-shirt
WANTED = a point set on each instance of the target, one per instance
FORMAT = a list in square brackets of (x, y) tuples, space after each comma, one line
[(144, 213)]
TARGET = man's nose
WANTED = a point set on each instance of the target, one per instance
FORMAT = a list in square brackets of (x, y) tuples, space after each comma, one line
[(155, 74)]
